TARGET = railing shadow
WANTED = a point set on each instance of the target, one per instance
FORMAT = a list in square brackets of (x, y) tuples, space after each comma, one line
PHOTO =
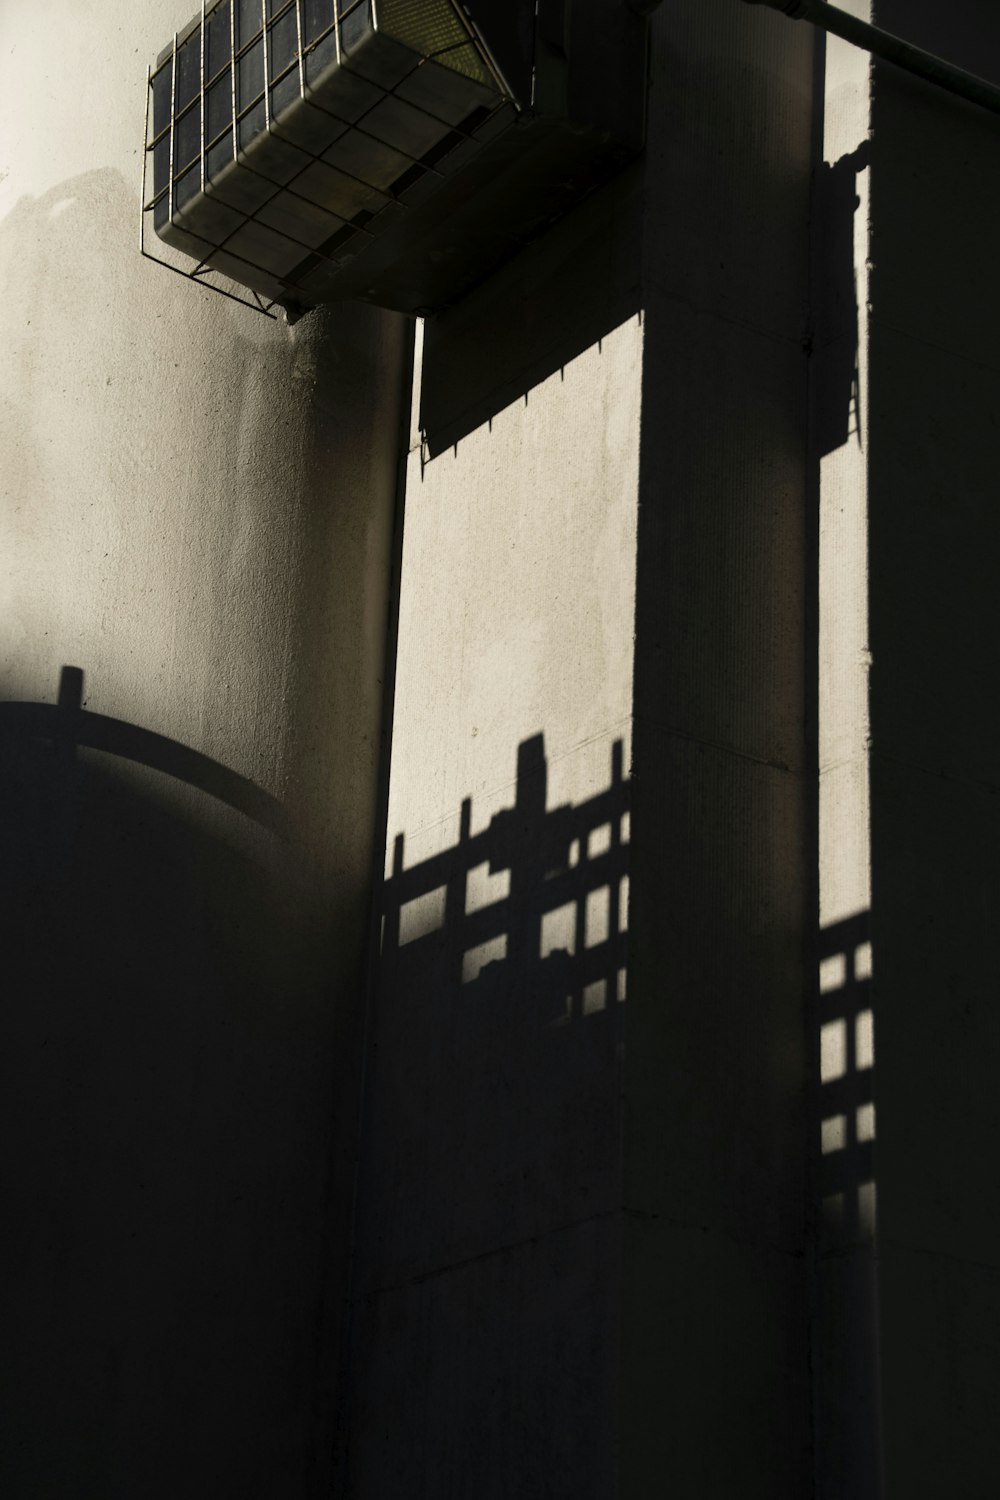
[(491, 1162), (544, 938), (502, 977), (846, 1096), (844, 1178)]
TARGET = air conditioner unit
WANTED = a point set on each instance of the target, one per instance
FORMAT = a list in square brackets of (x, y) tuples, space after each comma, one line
[(389, 150)]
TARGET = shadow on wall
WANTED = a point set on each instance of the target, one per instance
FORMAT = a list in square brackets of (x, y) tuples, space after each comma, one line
[(844, 1195), (548, 304), (167, 1053), (171, 457), (538, 312), (67, 727), (847, 1100), (486, 1296), (835, 377), (584, 277), (504, 947), (535, 902)]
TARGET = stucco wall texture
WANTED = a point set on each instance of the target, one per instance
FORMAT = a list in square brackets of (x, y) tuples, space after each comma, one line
[(197, 511)]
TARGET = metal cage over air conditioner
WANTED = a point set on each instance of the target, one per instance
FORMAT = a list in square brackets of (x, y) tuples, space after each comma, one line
[(394, 151)]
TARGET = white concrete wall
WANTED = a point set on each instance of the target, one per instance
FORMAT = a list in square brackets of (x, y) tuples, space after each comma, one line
[(843, 1119), (197, 511)]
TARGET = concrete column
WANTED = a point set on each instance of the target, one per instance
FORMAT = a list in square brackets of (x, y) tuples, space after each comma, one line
[(581, 1239), (715, 1388)]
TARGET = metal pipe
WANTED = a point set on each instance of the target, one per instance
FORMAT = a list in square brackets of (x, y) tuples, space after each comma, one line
[(880, 43)]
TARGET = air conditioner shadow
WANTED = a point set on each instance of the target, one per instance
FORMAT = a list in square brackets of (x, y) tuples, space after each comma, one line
[(555, 299)]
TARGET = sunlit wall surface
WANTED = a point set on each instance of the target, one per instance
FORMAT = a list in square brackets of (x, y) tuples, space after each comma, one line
[(843, 1122), (487, 1236)]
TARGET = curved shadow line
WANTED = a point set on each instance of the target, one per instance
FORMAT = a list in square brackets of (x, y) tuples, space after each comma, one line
[(68, 726)]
